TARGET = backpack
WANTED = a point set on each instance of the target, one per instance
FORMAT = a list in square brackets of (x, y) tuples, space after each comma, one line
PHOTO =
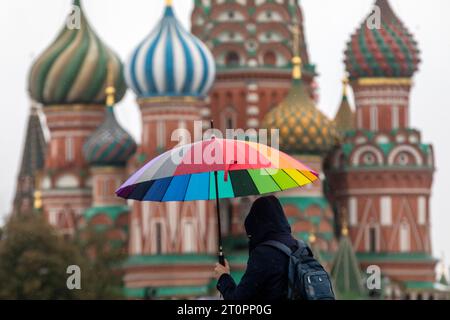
[(307, 279)]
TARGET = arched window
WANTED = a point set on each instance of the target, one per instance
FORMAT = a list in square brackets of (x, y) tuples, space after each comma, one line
[(232, 59), (270, 59)]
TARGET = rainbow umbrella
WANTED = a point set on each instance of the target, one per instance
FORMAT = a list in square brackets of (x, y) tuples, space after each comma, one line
[(216, 169)]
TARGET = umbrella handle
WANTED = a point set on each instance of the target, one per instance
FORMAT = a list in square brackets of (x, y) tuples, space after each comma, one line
[(219, 229), (221, 257)]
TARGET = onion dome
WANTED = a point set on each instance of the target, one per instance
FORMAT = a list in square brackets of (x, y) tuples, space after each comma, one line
[(388, 51), (110, 144), (170, 61), (73, 68), (344, 119), (304, 129)]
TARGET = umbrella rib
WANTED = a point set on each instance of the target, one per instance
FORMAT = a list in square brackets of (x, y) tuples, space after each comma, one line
[(253, 182), (209, 185), (291, 177), (281, 189), (310, 181), (165, 191), (187, 186)]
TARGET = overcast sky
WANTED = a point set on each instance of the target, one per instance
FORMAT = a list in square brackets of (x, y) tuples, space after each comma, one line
[(28, 26)]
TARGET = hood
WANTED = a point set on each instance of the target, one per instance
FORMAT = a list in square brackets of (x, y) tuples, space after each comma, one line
[(267, 221)]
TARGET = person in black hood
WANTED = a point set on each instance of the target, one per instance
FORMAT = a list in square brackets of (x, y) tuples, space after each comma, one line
[(266, 276)]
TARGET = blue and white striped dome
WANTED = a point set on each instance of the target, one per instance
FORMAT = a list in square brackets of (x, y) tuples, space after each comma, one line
[(170, 62)]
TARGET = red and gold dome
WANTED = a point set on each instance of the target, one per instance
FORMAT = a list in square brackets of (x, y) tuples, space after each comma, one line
[(384, 50)]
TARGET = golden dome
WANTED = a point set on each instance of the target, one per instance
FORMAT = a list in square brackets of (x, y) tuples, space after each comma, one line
[(303, 127)]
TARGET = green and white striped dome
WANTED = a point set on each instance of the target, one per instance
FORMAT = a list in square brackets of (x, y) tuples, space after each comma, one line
[(73, 69)]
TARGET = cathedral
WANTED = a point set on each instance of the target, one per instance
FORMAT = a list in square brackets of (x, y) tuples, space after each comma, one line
[(243, 64)]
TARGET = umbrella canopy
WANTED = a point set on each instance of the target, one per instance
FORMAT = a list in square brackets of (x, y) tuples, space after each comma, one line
[(243, 168)]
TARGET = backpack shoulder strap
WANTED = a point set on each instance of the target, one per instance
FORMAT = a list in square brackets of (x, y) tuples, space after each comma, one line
[(278, 245), (302, 247)]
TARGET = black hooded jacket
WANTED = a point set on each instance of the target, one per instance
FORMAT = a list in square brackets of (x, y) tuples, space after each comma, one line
[(266, 275)]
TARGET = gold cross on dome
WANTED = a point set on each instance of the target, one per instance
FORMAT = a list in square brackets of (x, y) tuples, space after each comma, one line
[(110, 90), (296, 60), (295, 29)]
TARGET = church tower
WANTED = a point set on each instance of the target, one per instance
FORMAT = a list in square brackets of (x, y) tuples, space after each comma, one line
[(170, 72), (381, 174), (107, 151), (27, 195), (251, 44), (69, 80), (306, 134)]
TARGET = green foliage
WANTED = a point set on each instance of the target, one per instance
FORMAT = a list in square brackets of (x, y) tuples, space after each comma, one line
[(34, 260), (104, 257)]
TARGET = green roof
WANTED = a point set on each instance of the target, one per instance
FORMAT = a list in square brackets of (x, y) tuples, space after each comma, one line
[(180, 291), (303, 203), (177, 259), (426, 285), (165, 292), (173, 259), (424, 147), (238, 258), (395, 256), (111, 211), (386, 147)]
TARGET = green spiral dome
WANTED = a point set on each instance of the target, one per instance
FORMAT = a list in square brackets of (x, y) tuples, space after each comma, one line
[(73, 69)]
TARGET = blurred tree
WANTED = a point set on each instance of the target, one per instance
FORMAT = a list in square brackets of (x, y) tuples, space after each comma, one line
[(34, 261), (103, 279)]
